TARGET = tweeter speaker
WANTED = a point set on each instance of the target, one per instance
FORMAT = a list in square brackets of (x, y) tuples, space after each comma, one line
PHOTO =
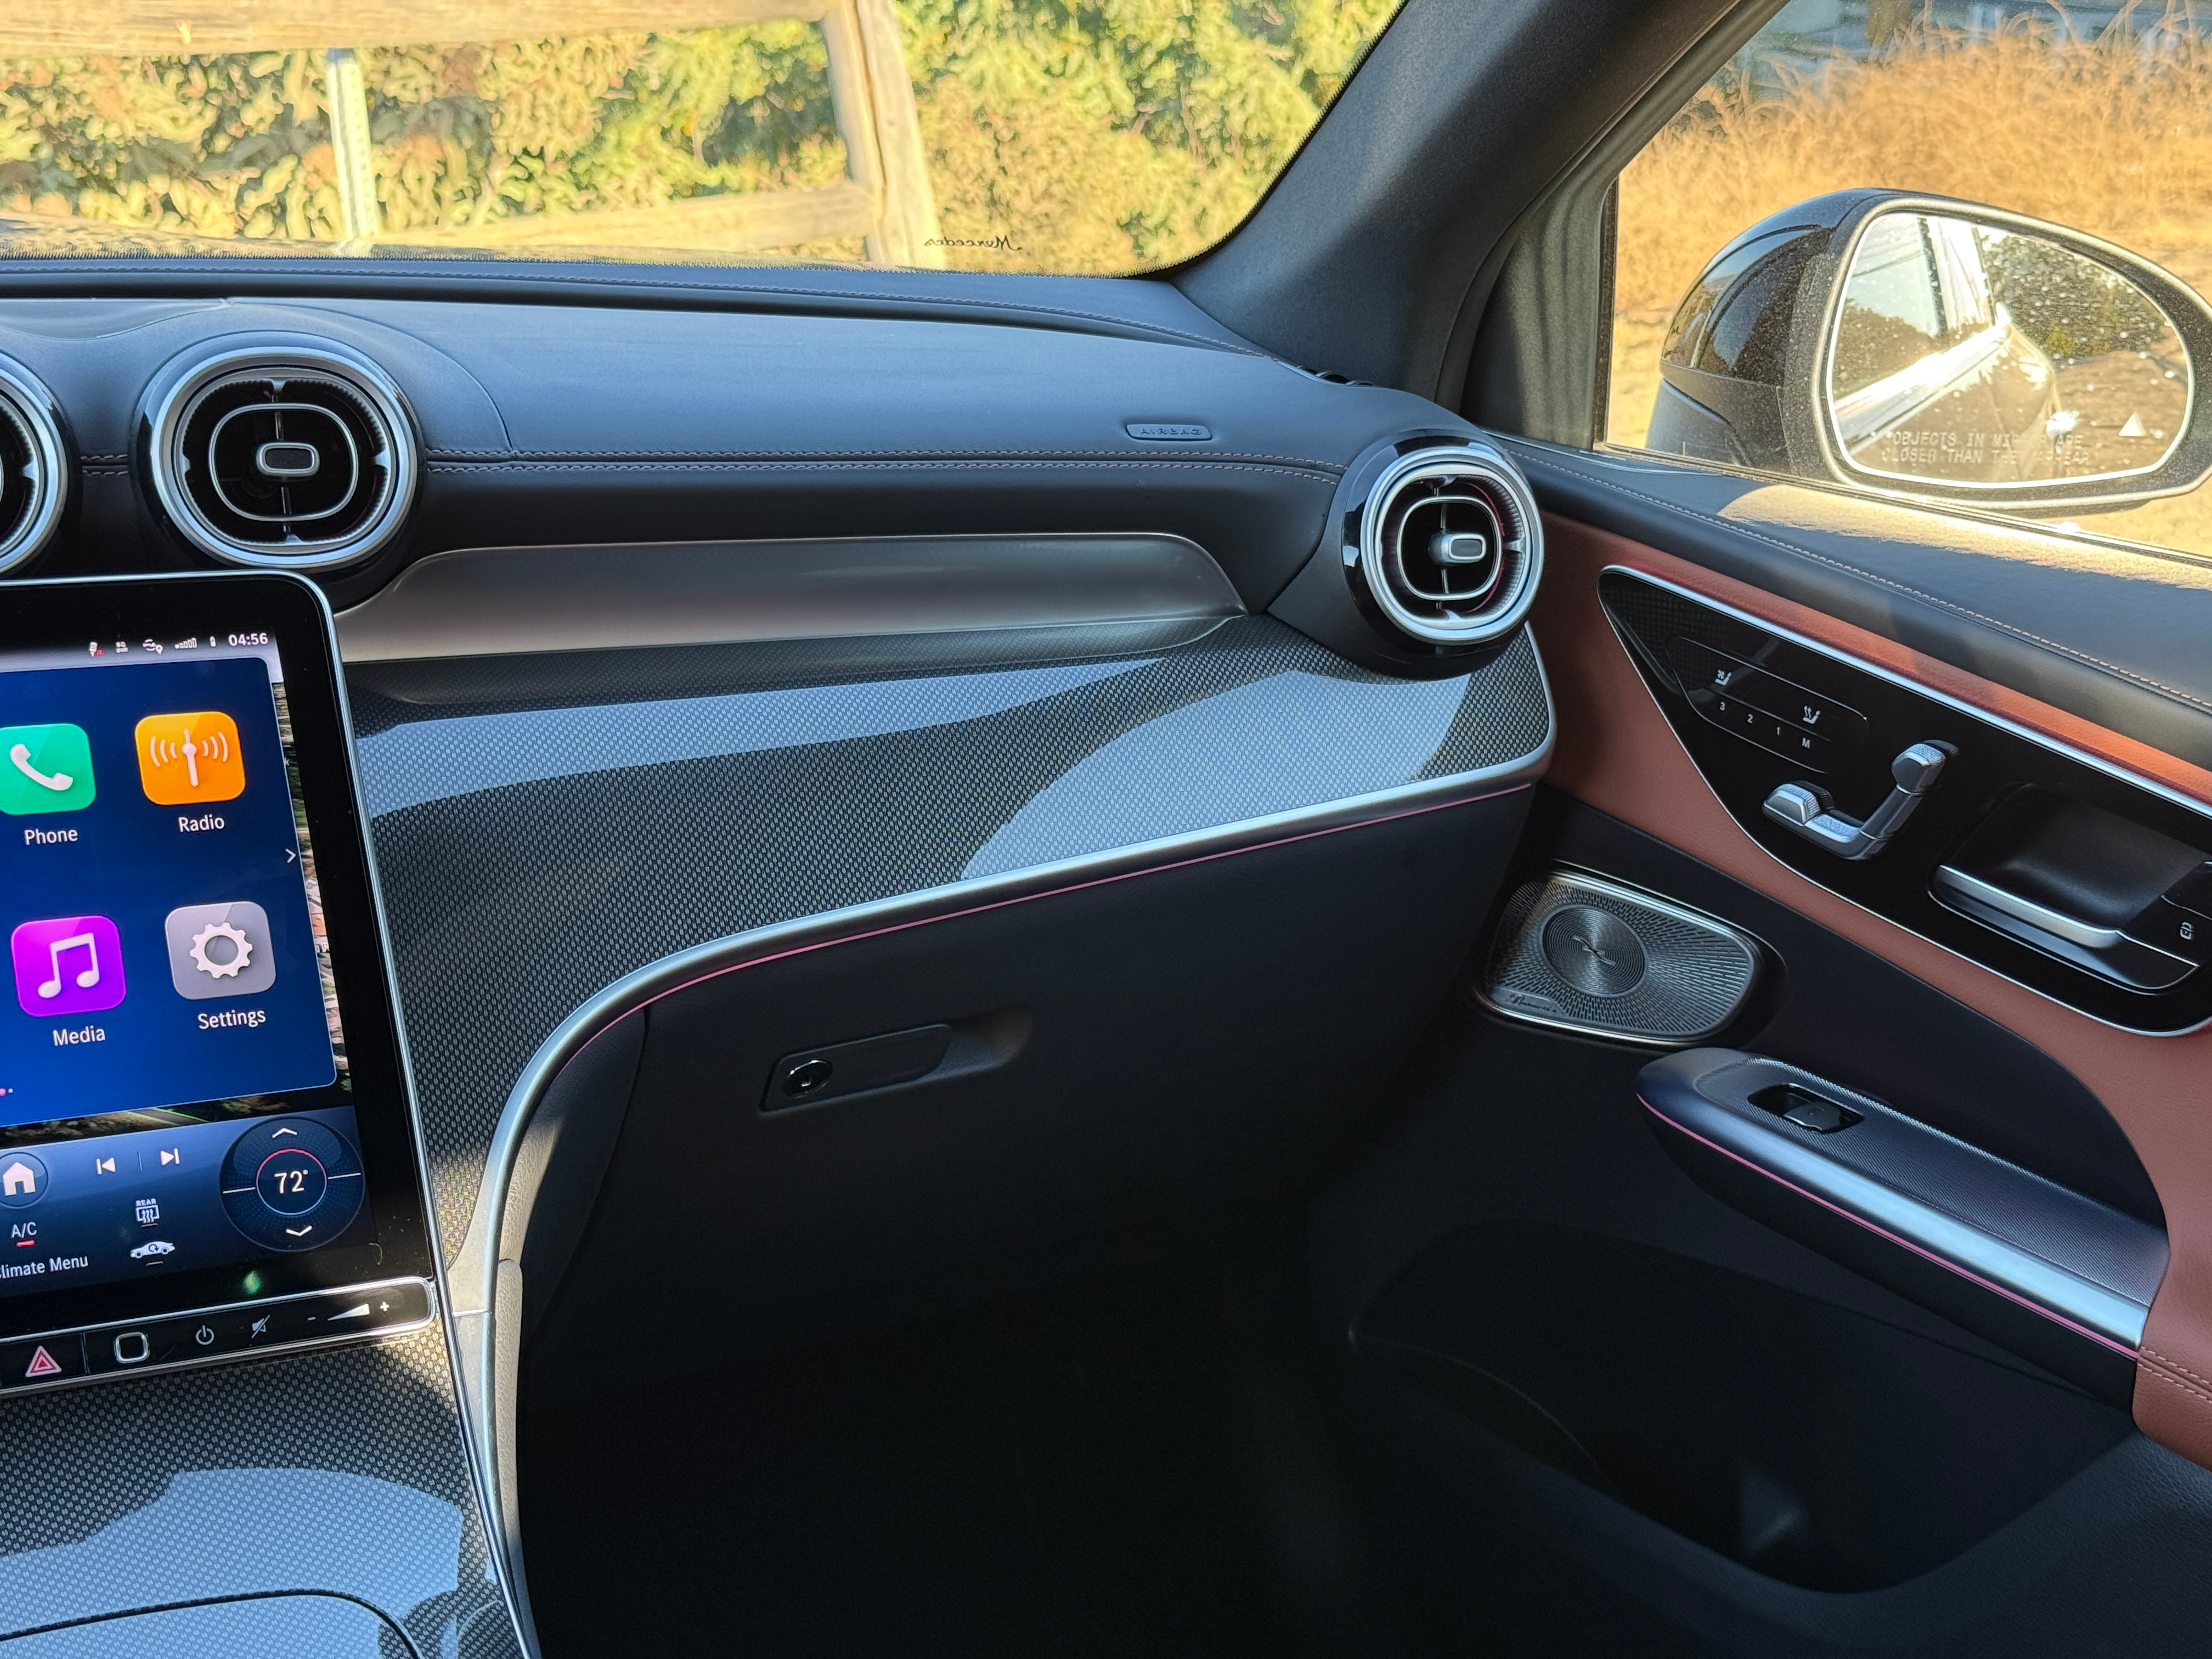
[(1585, 954)]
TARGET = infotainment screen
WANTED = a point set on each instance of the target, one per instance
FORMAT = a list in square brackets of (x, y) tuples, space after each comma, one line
[(203, 1106)]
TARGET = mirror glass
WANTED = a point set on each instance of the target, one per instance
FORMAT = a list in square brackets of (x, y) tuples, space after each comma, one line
[(1965, 354)]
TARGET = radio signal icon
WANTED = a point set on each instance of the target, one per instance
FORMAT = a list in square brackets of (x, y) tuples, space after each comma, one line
[(185, 758)]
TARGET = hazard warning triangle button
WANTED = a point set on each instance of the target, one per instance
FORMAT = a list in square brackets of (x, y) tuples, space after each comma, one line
[(22, 1363)]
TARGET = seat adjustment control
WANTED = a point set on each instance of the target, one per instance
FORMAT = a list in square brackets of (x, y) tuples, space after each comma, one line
[(1806, 808)]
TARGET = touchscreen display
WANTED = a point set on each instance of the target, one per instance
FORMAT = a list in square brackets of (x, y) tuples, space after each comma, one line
[(175, 1091)]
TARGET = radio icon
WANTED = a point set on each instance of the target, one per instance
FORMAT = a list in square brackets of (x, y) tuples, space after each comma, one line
[(190, 757)]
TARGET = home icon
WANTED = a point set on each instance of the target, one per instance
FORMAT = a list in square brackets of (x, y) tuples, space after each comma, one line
[(23, 1179)]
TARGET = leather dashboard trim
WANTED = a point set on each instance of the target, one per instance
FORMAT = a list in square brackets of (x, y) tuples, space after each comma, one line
[(2111, 632), (1617, 752)]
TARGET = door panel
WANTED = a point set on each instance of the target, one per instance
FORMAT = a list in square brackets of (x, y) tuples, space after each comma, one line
[(2113, 637), (1617, 752), (1610, 1412)]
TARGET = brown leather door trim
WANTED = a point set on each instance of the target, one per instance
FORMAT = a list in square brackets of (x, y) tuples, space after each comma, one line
[(1617, 752)]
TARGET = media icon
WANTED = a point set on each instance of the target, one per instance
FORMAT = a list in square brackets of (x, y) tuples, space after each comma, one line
[(67, 965), (44, 768), (103, 1166), (185, 758), (219, 949)]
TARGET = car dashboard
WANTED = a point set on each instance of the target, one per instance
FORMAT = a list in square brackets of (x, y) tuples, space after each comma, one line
[(872, 782)]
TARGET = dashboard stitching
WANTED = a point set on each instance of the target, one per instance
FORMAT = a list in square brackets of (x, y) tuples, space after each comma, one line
[(1213, 456), (200, 267), (853, 465), (1956, 609), (2176, 1365), (2172, 1382)]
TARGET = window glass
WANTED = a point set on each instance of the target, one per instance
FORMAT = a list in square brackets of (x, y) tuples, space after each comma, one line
[(1009, 135), (1958, 352)]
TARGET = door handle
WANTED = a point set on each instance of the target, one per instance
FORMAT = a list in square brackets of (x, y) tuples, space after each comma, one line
[(2111, 952), (2007, 903), (1806, 809)]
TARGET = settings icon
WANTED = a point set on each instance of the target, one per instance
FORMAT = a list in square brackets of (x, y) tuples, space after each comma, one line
[(233, 962)]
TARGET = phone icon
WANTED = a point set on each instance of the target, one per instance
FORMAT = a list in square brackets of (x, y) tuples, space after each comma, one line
[(183, 758), (44, 768)]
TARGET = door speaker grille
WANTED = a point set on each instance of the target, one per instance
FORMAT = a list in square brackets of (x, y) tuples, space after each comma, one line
[(1585, 954)]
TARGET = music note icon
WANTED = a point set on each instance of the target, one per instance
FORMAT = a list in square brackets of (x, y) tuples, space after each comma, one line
[(86, 980), (67, 965)]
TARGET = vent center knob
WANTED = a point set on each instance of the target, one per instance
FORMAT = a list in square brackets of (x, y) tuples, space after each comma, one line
[(288, 460), (1458, 547)]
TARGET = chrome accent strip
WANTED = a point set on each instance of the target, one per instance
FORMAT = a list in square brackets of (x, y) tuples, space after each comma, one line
[(38, 416), (499, 601), (177, 393), (2056, 746), (2112, 1314), (405, 1328), (485, 1372), (502, 1546), (2010, 904)]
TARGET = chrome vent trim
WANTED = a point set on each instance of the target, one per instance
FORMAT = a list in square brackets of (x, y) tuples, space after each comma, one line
[(1451, 546), (295, 459), (34, 466)]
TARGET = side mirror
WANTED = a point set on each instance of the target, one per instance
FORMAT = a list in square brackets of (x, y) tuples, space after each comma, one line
[(1935, 348)]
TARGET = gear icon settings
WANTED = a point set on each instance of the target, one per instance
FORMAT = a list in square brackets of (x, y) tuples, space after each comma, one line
[(219, 949)]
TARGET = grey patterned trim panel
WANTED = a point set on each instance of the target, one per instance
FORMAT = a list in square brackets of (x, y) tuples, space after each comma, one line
[(327, 1627), (340, 1471), (533, 852), (490, 601)]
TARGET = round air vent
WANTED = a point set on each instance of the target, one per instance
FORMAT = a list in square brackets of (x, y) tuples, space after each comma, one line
[(297, 459), (1451, 546), (33, 466)]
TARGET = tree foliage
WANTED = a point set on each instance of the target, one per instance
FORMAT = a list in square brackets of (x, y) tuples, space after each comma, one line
[(1104, 137)]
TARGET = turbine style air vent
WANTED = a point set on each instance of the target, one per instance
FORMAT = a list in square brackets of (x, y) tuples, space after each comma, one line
[(33, 466), (303, 459), (1451, 546)]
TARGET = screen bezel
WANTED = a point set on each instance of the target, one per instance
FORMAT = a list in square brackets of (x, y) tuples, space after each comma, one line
[(292, 612)]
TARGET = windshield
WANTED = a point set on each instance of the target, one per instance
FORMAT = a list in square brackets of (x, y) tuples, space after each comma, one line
[(993, 135)]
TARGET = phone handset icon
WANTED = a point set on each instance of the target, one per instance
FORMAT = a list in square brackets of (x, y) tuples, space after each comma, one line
[(57, 782), (49, 770)]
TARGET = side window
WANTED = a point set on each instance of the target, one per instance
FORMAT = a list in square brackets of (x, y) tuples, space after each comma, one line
[(1943, 252)]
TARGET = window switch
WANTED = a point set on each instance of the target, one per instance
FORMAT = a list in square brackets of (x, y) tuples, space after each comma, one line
[(1804, 1108)]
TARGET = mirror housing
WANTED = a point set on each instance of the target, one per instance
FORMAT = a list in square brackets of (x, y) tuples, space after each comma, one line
[(1935, 349)]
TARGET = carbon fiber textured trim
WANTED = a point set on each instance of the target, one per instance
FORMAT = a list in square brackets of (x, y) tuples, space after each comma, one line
[(340, 1471), (327, 1627), (532, 854)]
